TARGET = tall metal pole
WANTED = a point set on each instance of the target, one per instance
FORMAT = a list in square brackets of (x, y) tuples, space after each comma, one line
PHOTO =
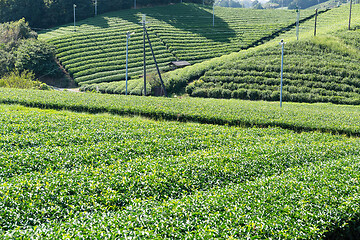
[(297, 23), (282, 43), (157, 67), (350, 15), (214, 14), (127, 61), (95, 7), (74, 17), (144, 29), (134, 4), (316, 14)]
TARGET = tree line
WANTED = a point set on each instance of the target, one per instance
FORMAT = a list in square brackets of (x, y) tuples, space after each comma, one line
[(48, 13)]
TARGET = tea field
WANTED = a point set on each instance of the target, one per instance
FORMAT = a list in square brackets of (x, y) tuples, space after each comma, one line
[(74, 175), (299, 117), (313, 72), (316, 69), (95, 53)]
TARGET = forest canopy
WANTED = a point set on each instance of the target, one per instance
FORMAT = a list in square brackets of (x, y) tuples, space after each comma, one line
[(47, 13)]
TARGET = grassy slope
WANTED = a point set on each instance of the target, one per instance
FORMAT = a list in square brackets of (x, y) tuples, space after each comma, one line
[(96, 52), (169, 180)]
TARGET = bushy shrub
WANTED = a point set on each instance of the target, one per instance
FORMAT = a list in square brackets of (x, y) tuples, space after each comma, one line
[(226, 93), (190, 88), (215, 93), (253, 94), (13, 32), (36, 56), (200, 92), (20, 49), (240, 94), (6, 62), (24, 80)]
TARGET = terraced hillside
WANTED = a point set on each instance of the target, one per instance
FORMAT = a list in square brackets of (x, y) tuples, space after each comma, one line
[(313, 72), (96, 51), (324, 68), (320, 69)]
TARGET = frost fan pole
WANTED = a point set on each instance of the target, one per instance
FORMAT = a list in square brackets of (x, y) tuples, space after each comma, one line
[(316, 14), (350, 15), (95, 7), (214, 14), (282, 43), (297, 23), (74, 17), (144, 29), (157, 67)]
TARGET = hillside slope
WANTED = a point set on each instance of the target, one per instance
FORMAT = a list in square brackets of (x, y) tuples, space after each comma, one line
[(320, 69), (313, 72), (96, 51), (334, 43)]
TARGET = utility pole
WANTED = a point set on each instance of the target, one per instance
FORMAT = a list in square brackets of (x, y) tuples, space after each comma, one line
[(297, 23), (128, 35), (144, 29), (134, 4), (95, 7), (157, 67), (282, 43), (74, 17), (316, 14), (350, 15)]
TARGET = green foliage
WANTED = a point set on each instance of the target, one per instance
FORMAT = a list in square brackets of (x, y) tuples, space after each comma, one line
[(36, 56), (20, 50), (7, 62), (295, 116), (13, 32), (320, 69), (79, 175), (46, 13), (24, 80), (96, 52)]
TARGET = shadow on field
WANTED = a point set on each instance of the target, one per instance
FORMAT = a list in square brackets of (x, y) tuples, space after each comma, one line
[(188, 18), (99, 21), (350, 232)]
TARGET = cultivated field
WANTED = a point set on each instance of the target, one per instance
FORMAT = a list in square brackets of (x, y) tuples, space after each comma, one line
[(101, 166), (67, 175), (321, 69), (96, 52)]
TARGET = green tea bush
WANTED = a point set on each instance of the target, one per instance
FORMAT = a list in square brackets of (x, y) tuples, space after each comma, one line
[(96, 52), (75, 175), (314, 71), (321, 117)]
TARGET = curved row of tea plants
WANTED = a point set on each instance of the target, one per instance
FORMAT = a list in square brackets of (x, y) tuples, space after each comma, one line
[(265, 85), (99, 56), (69, 174), (95, 53), (189, 34), (296, 116), (313, 72)]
